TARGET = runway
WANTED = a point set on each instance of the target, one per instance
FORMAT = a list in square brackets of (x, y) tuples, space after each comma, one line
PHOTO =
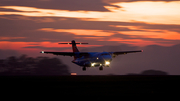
[(95, 85)]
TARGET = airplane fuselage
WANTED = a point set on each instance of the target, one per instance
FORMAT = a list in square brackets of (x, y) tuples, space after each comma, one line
[(94, 59)]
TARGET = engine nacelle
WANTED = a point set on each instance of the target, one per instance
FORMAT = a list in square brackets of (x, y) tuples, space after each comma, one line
[(87, 64)]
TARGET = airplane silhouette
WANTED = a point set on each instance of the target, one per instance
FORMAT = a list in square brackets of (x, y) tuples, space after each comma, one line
[(90, 59)]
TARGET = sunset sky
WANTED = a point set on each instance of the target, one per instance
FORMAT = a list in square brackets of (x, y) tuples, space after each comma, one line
[(29, 26)]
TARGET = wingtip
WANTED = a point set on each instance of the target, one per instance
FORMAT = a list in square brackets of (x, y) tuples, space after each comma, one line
[(141, 50), (42, 52)]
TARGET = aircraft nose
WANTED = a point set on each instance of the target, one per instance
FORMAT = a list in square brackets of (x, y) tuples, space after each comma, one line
[(107, 58)]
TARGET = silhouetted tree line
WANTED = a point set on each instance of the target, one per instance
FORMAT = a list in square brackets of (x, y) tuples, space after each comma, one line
[(25, 65)]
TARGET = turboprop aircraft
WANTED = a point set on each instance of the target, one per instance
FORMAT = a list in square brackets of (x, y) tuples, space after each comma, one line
[(90, 59)]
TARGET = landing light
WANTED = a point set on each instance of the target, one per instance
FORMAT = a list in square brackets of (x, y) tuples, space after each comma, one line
[(92, 64), (107, 62)]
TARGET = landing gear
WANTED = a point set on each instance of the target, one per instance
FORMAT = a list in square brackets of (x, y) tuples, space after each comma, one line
[(101, 68), (84, 68)]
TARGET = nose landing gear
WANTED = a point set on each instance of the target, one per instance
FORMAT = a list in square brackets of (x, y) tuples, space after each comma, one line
[(101, 68)]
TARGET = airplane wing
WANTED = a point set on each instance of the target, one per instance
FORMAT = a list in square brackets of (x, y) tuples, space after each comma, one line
[(124, 52), (67, 53), (88, 53), (59, 53)]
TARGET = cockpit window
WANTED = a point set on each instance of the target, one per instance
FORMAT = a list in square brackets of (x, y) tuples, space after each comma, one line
[(105, 54)]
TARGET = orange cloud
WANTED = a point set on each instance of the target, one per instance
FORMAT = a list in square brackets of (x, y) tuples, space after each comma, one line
[(150, 33), (14, 45), (169, 35), (79, 31), (91, 38), (8, 38), (20, 45), (51, 44)]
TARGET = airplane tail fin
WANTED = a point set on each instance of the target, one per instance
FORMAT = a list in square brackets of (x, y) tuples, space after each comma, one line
[(74, 47)]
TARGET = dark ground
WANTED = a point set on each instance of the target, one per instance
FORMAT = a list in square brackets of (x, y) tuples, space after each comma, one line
[(94, 85)]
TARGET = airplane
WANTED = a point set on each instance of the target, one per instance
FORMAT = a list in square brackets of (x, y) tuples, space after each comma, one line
[(90, 59)]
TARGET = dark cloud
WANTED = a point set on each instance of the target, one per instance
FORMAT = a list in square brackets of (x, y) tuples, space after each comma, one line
[(71, 23), (74, 23), (169, 27), (110, 48), (87, 5), (28, 28), (95, 25)]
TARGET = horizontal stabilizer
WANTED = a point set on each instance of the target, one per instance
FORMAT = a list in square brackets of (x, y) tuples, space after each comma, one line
[(71, 43)]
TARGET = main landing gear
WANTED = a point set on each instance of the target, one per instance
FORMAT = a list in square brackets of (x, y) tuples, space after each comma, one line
[(101, 68), (84, 68)]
